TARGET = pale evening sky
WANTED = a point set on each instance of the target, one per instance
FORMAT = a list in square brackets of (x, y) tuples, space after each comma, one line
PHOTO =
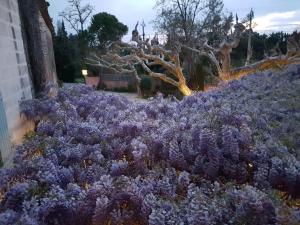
[(270, 15)]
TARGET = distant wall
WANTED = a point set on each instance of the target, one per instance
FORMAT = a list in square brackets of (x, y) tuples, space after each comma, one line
[(15, 82), (114, 81), (110, 85), (92, 81)]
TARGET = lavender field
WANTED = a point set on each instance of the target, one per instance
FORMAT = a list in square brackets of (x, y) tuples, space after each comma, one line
[(228, 156)]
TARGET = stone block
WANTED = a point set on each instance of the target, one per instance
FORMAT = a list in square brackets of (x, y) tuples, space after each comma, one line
[(4, 16), (3, 29), (15, 83)]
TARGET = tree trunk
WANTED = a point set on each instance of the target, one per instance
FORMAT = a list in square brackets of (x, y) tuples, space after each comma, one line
[(190, 67), (226, 64), (38, 42), (184, 89), (138, 83), (249, 49)]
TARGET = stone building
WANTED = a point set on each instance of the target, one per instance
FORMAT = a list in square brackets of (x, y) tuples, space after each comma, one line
[(26, 65)]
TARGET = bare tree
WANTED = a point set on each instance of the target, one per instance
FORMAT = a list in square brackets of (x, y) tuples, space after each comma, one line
[(143, 25), (187, 22), (220, 56), (179, 17), (77, 15), (226, 47), (249, 24), (147, 56)]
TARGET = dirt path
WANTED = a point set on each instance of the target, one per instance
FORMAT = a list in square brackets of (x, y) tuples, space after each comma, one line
[(130, 96)]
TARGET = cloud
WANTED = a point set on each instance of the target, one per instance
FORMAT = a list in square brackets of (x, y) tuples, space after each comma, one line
[(278, 21), (271, 15), (127, 11)]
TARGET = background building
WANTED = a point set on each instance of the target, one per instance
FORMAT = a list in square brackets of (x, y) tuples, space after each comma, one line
[(26, 64)]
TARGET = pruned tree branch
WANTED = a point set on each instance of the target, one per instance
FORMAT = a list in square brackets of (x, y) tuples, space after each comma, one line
[(266, 64), (161, 76), (275, 62)]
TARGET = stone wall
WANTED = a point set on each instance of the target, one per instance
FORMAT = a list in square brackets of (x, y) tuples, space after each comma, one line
[(15, 82), (111, 85), (47, 51), (115, 81), (92, 81)]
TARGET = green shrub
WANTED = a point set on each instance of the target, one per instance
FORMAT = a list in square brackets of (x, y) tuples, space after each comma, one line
[(130, 89), (79, 80), (146, 86), (169, 90)]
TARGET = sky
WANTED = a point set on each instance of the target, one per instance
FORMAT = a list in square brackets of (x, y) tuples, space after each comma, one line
[(270, 15)]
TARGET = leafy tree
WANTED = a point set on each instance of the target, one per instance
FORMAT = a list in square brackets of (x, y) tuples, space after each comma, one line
[(262, 45), (67, 56), (258, 45), (215, 25), (61, 31), (276, 43), (104, 28)]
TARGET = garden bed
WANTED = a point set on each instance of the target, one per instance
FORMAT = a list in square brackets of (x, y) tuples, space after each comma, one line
[(228, 156)]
